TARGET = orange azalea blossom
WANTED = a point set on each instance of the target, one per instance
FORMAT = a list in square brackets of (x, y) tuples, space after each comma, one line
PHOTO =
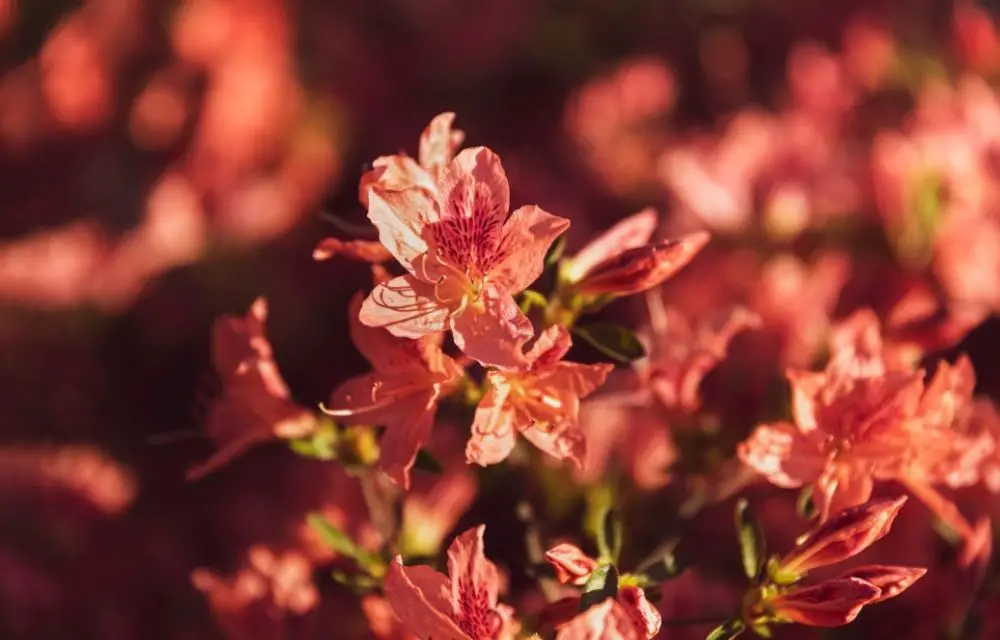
[(464, 605), (867, 418), (402, 392), (628, 616), (255, 405), (438, 144), (465, 257), (541, 401), (621, 261)]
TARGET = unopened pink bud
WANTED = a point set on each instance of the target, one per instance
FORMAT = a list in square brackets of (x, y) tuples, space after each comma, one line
[(572, 565), (833, 603), (891, 580), (641, 268), (844, 535)]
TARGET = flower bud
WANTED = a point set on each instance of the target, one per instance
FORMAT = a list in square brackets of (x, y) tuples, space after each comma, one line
[(891, 580), (845, 535), (641, 268), (572, 565), (833, 603)]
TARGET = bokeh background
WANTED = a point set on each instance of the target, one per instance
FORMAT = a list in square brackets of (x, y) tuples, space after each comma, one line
[(163, 162)]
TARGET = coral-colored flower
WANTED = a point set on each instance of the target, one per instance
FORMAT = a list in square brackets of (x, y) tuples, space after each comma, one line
[(891, 580), (572, 565), (832, 603), (402, 392), (843, 536), (849, 423), (629, 616), (438, 144), (465, 256), (681, 353), (256, 404), (464, 605), (621, 261), (541, 401)]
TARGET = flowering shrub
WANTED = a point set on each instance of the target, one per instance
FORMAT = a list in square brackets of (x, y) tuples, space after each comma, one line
[(677, 320)]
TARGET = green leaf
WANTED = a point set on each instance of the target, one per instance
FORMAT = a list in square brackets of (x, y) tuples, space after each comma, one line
[(614, 341), (427, 463), (344, 545), (727, 630), (752, 549), (602, 584)]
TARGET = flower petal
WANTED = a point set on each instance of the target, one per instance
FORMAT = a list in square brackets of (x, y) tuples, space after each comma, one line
[(418, 596), (475, 585), (550, 347), (527, 236), (493, 431), (784, 456), (562, 442), (400, 217), (634, 231), (493, 334), (403, 307), (644, 616), (439, 142), (395, 173), (605, 621), (404, 435), (390, 354)]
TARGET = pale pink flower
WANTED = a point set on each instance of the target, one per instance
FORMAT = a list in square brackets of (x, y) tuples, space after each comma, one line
[(465, 257), (402, 392), (256, 405), (464, 605), (540, 401), (622, 261), (438, 144)]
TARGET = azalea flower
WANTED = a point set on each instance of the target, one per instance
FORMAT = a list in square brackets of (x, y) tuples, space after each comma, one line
[(402, 392), (622, 261), (464, 605), (540, 401), (465, 257), (256, 405)]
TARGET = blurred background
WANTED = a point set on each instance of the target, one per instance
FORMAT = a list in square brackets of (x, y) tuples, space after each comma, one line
[(163, 162)]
